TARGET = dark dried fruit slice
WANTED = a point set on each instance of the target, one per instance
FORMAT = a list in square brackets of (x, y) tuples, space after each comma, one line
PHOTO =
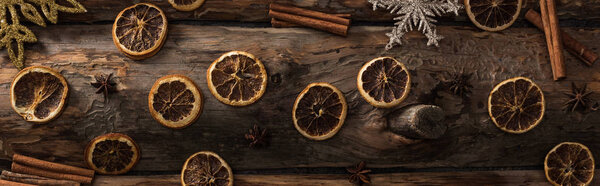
[(516, 105), (140, 30), (206, 168), (493, 15), (319, 111), (186, 5), (569, 163), (384, 82), (175, 101), (38, 94), (237, 78), (112, 153)]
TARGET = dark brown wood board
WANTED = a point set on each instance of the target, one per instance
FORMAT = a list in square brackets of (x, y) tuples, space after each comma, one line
[(256, 10), (81, 46), (295, 58), (515, 177)]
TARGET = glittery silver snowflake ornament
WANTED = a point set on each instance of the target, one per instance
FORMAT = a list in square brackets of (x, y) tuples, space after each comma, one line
[(416, 13)]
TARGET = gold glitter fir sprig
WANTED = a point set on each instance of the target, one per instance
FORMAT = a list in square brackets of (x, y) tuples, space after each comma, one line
[(13, 34)]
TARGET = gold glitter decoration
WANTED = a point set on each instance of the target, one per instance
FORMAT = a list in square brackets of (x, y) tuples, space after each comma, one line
[(13, 34)]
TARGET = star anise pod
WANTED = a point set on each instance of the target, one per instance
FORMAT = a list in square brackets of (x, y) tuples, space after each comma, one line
[(104, 85), (358, 174), (458, 84), (578, 98), (258, 137)]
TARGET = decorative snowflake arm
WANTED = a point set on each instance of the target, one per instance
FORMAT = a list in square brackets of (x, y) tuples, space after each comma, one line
[(51, 8), (416, 13), (13, 34)]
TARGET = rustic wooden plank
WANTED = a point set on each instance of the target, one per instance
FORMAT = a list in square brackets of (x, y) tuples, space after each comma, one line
[(256, 10), (510, 177), (295, 57)]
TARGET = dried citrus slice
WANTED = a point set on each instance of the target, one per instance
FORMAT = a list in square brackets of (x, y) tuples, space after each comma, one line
[(112, 153), (384, 82), (569, 163), (319, 111), (493, 15), (206, 168), (140, 30), (237, 78), (186, 5), (175, 101), (516, 105), (38, 94)]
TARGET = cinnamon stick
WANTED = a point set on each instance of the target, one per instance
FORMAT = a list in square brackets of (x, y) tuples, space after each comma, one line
[(53, 167), (275, 23), (309, 13), (11, 183), (546, 29), (37, 180), (573, 46), (559, 70), (18, 168), (311, 22), (347, 16)]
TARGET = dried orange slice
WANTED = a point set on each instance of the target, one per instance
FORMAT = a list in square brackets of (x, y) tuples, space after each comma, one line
[(569, 163), (237, 78), (206, 168), (493, 15), (38, 94), (384, 82), (112, 153), (175, 101), (186, 5), (516, 105), (319, 111), (140, 30)]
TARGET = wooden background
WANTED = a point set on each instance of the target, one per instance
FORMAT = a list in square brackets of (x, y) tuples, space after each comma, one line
[(472, 151)]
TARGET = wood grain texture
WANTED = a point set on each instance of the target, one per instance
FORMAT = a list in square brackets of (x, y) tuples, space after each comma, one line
[(511, 177), (256, 10), (295, 57)]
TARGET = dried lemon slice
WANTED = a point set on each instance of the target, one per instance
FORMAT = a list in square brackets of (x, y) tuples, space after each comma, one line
[(206, 168), (175, 101), (186, 5), (516, 105), (112, 153), (319, 111), (237, 78), (569, 163), (140, 30), (384, 82), (493, 15), (38, 94)]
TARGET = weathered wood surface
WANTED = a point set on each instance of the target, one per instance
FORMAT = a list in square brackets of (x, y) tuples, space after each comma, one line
[(512, 177), (256, 10), (294, 58)]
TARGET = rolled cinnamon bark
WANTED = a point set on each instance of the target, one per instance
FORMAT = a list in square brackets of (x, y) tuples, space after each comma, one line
[(53, 167), (545, 23), (275, 23), (311, 22), (309, 13), (36, 180), (282, 24), (11, 183), (559, 65), (347, 16), (571, 45), (18, 168)]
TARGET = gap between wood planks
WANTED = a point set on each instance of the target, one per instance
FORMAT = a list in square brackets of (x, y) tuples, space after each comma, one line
[(512, 177), (521, 23)]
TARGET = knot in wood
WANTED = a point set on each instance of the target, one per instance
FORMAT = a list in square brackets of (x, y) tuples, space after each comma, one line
[(418, 122)]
